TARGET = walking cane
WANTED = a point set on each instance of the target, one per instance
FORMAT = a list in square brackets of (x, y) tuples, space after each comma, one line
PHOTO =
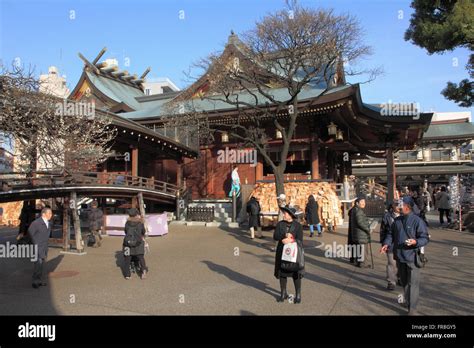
[(371, 255)]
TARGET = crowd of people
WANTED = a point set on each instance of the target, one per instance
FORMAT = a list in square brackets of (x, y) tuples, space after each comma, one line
[(403, 236)]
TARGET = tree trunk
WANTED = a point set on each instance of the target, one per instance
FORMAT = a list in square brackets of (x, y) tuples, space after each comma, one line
[(279, 181), (77, 223)]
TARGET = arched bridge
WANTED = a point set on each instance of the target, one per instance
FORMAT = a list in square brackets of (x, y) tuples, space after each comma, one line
[(18, 186)]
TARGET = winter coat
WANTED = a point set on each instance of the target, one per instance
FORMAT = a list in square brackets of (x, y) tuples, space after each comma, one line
[(135, 225), (312, 212), (281, 229), (403, 228), (442, 200), (386, 225), (39, 234), (95, 218), (360, 229), (253, 209)]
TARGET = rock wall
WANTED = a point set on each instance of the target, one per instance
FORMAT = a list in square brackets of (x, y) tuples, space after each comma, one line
[(11, 213)]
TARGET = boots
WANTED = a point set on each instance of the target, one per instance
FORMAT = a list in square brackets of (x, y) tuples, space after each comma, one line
[(298, 290), (283, 293)]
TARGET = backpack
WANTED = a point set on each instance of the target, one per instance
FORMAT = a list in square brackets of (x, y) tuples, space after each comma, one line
[(131, 238)]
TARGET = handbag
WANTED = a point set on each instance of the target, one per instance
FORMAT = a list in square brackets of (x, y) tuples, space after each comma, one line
[(292, 257), (91, 239)]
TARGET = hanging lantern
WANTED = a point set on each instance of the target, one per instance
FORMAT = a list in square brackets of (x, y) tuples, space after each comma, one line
[(225, 137), (339, 135), (332, 129)]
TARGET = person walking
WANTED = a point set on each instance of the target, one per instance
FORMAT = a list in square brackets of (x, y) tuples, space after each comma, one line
[(407, 235), (444, 207), (134, 243), (253, 209), (39, 232), (96, 221), (360, 232), (287, 231), (312, 216), (393, 211)]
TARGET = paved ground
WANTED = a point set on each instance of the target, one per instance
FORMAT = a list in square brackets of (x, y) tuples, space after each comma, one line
[(196, 270)]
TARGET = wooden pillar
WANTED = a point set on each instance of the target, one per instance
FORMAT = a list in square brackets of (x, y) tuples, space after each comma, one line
[(331, 163), (315, 159), (135, 161), (259, 170), (323, 163), (179, 173), (141, 208), (391, 176), (77, 223), (65, 225)]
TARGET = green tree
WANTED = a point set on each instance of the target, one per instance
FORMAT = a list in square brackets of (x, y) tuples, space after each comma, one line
[(443, 25)]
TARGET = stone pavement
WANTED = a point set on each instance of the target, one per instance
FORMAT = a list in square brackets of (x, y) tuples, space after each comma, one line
[(197, 270)]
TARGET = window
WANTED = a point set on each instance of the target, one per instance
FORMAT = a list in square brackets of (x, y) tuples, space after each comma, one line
[(407, 156), (441, 155)]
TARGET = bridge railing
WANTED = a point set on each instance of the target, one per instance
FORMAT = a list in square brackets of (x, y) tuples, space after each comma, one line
[(18, 181)]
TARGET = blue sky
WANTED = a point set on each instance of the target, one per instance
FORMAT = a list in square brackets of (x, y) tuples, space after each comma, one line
[(151, 33)]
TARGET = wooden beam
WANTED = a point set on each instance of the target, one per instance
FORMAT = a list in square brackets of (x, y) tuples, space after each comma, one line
[(88, 64), (101, 53), (145, 73)]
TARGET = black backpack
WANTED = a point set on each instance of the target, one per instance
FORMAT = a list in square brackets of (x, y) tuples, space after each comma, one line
[(132, 238)]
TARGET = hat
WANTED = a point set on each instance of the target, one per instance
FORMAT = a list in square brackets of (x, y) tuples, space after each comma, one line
[(359, 198), (289, 210), (133, 212), (408, 200)]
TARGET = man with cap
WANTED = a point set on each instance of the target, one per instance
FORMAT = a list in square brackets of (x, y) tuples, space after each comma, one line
[(408, 233), (359, 233), (392, 212)]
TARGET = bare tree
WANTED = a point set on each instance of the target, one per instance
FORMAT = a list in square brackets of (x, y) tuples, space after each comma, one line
[(53, 132), (286, 52)]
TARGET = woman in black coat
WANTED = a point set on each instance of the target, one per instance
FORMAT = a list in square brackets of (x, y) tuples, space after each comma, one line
[(312, 215), (288, 230), (253, 209), (134, 230)]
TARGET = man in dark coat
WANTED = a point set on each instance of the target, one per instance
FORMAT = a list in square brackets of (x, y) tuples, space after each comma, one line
[(253, 209), (134, 230), (288, 230), (360, 232), (312, 216), (96, 221), (39, 232), (408, 233)]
